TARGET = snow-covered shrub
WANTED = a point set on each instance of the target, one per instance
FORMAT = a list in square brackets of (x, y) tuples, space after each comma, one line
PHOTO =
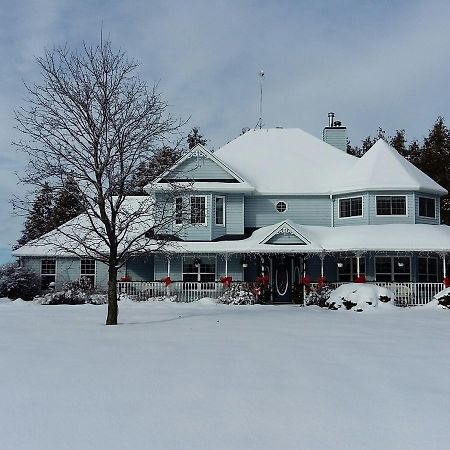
[(237, 294), (358, 296), (18, 282), (73, 293), (318, 296), (442, 298), (162, 298)]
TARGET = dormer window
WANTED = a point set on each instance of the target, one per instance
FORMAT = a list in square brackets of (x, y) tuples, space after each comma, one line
[(427, 207), (281, 207)]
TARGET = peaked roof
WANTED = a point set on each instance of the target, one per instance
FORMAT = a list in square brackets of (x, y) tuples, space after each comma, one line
[(286, 227), (382, 167), (285, 161)]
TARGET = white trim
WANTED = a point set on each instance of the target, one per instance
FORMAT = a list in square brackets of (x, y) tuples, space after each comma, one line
[(392, 215), (350, 198), (291, 228), (95, 269), (40, 268), (281, 201), (207, 154), (204, 224), (392, 267), (224, 210), (418, 206)]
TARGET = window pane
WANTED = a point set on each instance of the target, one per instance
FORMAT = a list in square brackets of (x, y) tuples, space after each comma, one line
[(198, 210), (383, 264), (220, 211), (179, 210), (427, 207), (398, 206), (384, 206), (48, 267), (356, 206), (344, 207)]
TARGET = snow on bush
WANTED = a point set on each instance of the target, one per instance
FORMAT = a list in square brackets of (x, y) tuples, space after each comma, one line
[(73, 293), (442, 299), (18, 282), (237, 294), (318, 296), (162, 298), (358, 296)]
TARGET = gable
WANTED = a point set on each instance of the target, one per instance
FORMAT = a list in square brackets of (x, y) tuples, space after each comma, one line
[(281, 238), (284, 234), (199, 168)]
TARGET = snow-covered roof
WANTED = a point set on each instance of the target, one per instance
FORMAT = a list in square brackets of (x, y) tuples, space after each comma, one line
[(383, 168), (285, 161), (315, 239)]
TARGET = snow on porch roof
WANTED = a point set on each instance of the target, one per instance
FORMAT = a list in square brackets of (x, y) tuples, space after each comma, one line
[(388, 238), (383, 168), (285, 161)]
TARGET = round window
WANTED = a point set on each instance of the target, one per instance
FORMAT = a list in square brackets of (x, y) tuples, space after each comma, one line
[(281, 207)]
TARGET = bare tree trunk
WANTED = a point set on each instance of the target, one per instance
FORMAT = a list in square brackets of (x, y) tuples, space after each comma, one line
[(113, 307)]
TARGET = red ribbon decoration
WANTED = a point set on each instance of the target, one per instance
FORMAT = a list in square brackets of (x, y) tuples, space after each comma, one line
[(263, 280), (446, 282), (167, 281), (226, 281), (360, 279), (306, 280)]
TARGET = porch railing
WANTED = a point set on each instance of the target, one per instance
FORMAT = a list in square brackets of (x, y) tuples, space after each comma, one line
[(408, 294), (183, 291)]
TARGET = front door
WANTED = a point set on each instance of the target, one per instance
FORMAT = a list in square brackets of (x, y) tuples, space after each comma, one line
[(281, 279)]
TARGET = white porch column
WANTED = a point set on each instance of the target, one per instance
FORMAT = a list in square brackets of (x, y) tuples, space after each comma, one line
[(168, 266), (358, 271), (444, 265), (226, 265), (322, 257)]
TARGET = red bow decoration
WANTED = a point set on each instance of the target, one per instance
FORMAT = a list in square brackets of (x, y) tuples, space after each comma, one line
[(360, 279), (167, 281), (306, 280), (446, 282), (226, 281), (322, 281), (263, 280), (125, 278)]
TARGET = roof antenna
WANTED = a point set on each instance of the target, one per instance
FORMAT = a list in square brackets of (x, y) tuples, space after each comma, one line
[(260, 123)]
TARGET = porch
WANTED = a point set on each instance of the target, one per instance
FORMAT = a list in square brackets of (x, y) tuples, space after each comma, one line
[(407, 293)]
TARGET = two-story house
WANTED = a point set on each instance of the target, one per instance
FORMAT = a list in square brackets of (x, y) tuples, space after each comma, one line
[(283, 203)]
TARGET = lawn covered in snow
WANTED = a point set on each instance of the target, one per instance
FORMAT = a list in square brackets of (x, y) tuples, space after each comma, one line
[(204, 376)]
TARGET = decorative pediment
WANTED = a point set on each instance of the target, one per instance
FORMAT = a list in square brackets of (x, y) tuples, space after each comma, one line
[(285, 234)]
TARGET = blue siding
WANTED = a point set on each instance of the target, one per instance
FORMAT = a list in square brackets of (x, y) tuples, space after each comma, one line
[(199, 168), (140, 268), (306, 210), (364, 220), (427, 220), (234, 215), (378, 220)]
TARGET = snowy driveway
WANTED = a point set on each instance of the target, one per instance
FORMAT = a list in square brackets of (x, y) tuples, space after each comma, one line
[(199, 376)]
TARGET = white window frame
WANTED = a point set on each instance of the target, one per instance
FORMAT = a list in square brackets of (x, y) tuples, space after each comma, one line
[(224, 210), (428, 267), (428, 198), (281, 201), (198, 269), (392, 258), (89, 274), (391, 215), (206, 210), (350, 198), (48, 274), (175, 210), (353, 274)]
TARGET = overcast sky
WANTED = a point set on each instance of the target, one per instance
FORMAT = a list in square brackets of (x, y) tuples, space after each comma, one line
[(374, 63)]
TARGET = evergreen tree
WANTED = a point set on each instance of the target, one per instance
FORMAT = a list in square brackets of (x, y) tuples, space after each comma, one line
[(39, 219), (148, 171), (194, 138), (434, 160), (67, 204)]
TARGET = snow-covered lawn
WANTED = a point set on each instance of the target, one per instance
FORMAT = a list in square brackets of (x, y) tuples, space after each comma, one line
[(202, 376)]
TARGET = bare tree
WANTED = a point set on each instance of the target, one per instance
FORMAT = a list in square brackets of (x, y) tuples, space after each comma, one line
[(92, 119)]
